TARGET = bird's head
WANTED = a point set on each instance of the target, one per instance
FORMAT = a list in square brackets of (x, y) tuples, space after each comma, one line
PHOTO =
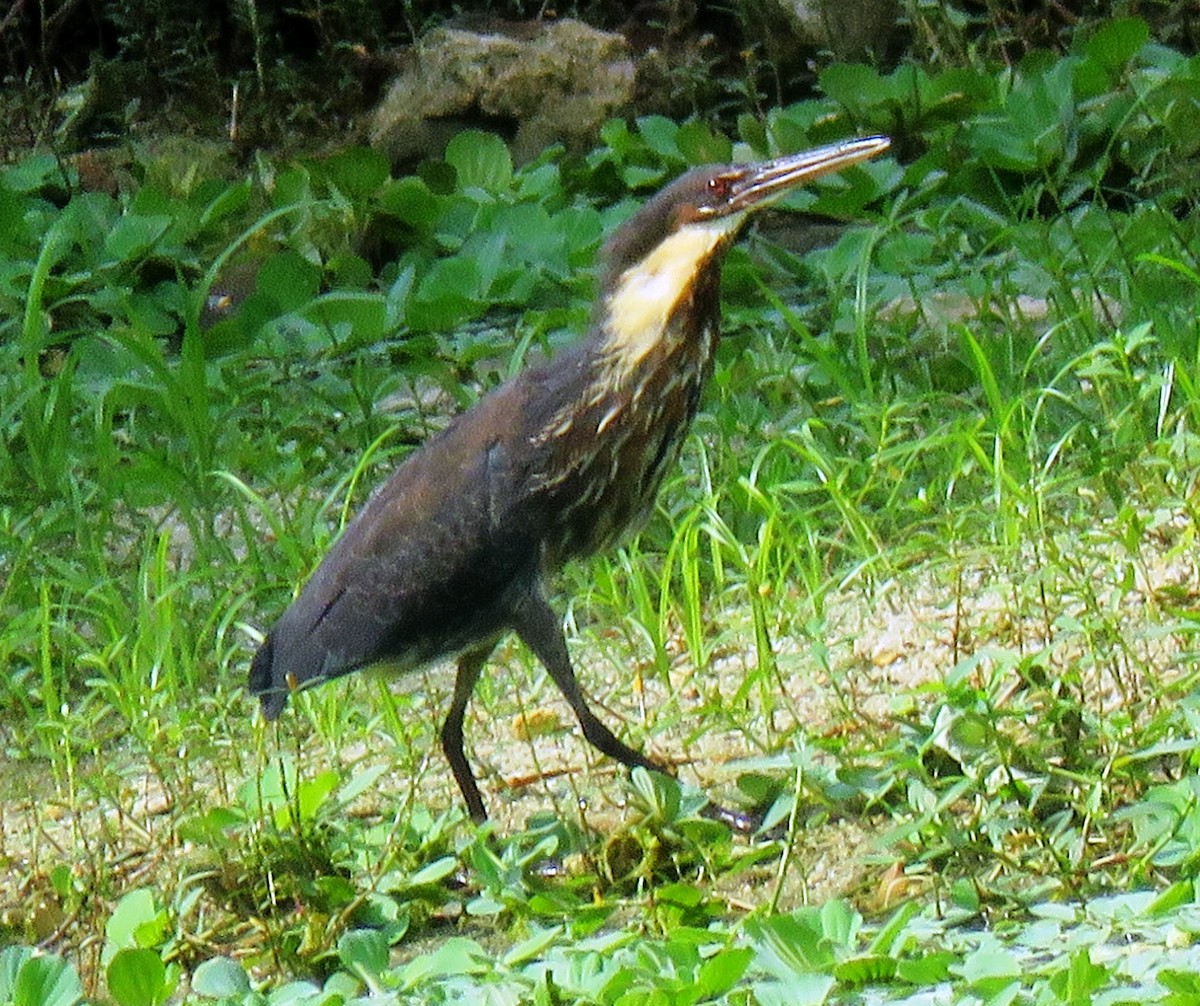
[(657, 256), (717, 198)]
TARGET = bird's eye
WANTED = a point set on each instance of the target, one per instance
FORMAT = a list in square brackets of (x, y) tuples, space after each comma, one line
[(719, 186)]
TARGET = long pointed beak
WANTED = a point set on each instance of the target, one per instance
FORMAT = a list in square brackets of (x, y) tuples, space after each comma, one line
[(756, 185)]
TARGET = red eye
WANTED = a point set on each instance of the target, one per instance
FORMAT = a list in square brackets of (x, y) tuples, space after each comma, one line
[(719, 186)]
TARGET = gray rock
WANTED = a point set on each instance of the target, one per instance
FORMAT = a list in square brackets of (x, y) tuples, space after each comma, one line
[(555, 82)]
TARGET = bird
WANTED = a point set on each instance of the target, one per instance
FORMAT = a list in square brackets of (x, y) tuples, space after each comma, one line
[(459, 547)]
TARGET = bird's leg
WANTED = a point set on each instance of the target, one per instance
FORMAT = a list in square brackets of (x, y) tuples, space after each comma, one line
[(540, 629), (469, 666)]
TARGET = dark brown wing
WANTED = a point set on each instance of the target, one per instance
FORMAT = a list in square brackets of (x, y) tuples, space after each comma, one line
[(427, 568)]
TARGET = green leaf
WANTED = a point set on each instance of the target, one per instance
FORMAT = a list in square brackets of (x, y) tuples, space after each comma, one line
[(640, 176), (45, 980), (996, 399), (1182, 892), (698, 144), (14, 225), (531, 235), (334, 890), (361, 781), (435, 872), (313, 793), (12, 959), (1185, 984), (220, 978), (889, 935), (722, 971), (137, 977), (303, 993), (481, 161), (684, 895), (456, 956), (447, 295), (990, 969), (616, 135), (929, 969), (137, 921), (658, 794), (289, 279), (351, 271), (227, 201), (660, 134), (997, 144), (1077, 982), (532, 946), (790, 945), (32, 173), (1117, 41), (133, 236), (350, 315), (855, 86), (364, 951), (292, 186), (267, 791), (409, 199), (753, 132), (840, 923), (357, 172), (801, 990)]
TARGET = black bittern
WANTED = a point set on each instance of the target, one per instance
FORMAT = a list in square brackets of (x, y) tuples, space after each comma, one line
[(455, 550)]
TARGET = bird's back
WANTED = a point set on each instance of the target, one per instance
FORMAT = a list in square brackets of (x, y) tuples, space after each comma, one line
[(426, 568)]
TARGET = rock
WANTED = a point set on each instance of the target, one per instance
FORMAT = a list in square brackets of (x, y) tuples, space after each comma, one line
[(555, 84)]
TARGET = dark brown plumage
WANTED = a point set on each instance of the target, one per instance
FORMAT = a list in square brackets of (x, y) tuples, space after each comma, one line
[(455, 550)]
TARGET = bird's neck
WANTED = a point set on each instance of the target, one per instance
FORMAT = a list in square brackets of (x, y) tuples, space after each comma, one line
[(623, 399), (641, 321)]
